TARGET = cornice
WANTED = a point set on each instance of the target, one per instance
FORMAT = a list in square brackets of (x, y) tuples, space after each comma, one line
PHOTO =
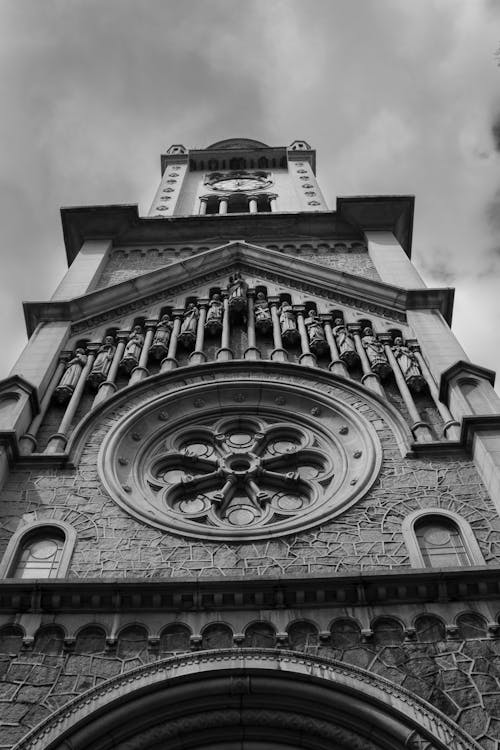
[(407, 586), (345, 288), (123, 225)]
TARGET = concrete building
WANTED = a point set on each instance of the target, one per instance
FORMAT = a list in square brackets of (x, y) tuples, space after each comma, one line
[(249, 480)]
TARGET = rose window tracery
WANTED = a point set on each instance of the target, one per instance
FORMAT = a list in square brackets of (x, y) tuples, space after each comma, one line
[(248, 473), (245, 461)]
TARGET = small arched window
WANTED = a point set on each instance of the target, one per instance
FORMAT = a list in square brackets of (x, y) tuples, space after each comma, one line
[(217, 636), (49, 640), (438, 538), (132, 642), (175, 638), (40, 550), (90, 640), (345, 633), (11, 639), (429, 629), (260, 635), (302, 635), (471, 625), (440, 542), (387, 632)]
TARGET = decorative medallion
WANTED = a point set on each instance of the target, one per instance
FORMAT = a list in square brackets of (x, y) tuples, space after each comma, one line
[(239, 468)]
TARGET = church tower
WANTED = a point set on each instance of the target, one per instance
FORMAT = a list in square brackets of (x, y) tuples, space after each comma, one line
[(249, 480)]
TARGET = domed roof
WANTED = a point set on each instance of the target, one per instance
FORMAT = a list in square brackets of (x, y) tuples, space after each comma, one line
[(237, 143)]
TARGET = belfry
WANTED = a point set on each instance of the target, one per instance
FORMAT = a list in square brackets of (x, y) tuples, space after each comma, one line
[(249, 480)]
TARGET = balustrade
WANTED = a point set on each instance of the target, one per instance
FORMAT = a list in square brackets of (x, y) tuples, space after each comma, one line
[(352, 351)]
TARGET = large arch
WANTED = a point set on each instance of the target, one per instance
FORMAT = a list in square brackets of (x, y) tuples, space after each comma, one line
[(247, 699)]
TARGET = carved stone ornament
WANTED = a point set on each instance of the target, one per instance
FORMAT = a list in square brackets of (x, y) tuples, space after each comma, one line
[(264, 469)]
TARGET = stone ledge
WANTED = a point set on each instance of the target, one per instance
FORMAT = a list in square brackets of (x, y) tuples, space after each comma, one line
[(360, 589)]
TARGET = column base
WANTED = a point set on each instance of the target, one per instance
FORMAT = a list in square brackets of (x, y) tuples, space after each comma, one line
[(170, 363), (279, 355), (197, 358), (422, 432), (138, 373), (308, 360), (451, 430), (251, 353), (27, 444), (224, 354), (57, 443), (337, 367)]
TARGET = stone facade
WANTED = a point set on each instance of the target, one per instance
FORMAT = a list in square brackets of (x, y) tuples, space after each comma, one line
[(257, 472)]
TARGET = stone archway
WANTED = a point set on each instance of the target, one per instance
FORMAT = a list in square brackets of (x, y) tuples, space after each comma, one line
[(246, 699)]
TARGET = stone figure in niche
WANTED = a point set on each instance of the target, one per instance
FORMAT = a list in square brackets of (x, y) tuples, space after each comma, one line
[(408, 363), (159, 347), (100, 369), (315, 332), (70, 377), (213, 323), (288, 324), (375, 353), (187, 336), (345, 343), (237, 292), (132, 351), (263, 321)]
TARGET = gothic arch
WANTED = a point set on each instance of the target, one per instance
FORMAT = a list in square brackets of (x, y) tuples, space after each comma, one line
[(247, 698)]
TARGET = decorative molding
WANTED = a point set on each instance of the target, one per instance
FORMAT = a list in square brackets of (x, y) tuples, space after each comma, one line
[(274, 680)]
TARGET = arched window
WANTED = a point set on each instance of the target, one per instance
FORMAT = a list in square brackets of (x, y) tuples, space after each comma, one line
[(217, 636), (260, 635), (387, 632), (345, 633), (49, 640), (132, 642), (90, 640), (40, 550), (429, 629), (302, 635), (175, 638), (438, 538), (11, 639), (440, 542), (471, 625)]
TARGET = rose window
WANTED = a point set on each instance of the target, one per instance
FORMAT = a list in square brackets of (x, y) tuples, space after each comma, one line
[(248, 473), (239, 462)]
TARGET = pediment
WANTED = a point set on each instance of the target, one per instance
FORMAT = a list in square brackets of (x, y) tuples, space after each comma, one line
[(259, 264)]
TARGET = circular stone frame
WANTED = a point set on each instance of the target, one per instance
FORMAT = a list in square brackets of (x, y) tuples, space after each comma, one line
[(347, 440)]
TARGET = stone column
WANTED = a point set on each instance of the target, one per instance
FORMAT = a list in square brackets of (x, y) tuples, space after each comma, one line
[(252, 205), (141, 371), (307, 358), (203, 206), (278, 354), (251, 352), (336, 365), (170, 362), (223, 206), (27, 442), (273, 203), (451, 428), (198, 356), (420, 429), (109, 387), (57, 442), (370, 379), (225, 353)]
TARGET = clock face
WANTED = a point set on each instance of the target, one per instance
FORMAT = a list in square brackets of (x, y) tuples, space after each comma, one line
[(238, 182)]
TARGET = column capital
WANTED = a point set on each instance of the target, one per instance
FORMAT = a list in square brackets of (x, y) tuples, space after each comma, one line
[(299, 308), (151, 323), (178, 312), (274, 300), (122, 335), (326, 317)]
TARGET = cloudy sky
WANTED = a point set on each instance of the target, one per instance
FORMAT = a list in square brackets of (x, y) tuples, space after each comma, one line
[(397, 96)]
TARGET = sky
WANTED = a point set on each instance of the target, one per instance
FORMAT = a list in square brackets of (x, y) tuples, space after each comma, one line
[(396, 96)]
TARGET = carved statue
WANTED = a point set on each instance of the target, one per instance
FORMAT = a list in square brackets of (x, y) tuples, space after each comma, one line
[(159, 347), (262, 313), (237, 292), (187, 336), (288, 324), (375, 353), (132, 351), (70, 377), (213, 323), (345, 343), (102, 362), (315, 332), (409, 365)]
